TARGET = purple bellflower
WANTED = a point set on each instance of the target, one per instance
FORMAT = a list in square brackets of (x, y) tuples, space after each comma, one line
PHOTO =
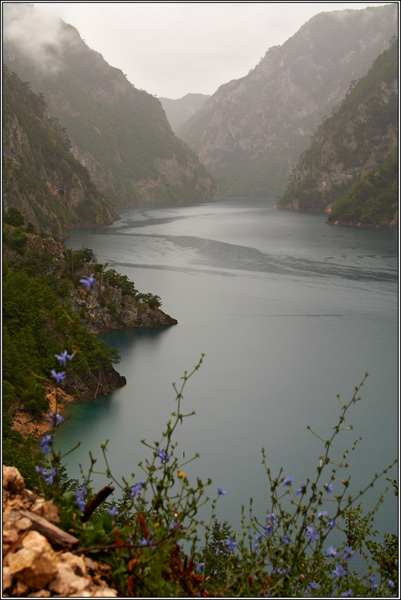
[(88, 282), (59, 377)]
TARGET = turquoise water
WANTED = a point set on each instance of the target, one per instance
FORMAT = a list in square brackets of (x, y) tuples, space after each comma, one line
[(289, 312)]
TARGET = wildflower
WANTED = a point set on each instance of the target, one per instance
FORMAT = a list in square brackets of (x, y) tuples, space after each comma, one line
[(80, 498), (347, 593), (391, 583), (348, 553), (311, 533), (256, 543), (163, 456), (181, 474), (59, 377), (268, 530), (231, 544), (221, 492), (286, 539), (331, 551), (271, 518), (88, 282), (47, 477), (373, 584), (136, 490), (55, 420), (288, 480), (45, 443), (322, 514), (339, 571), (312, 586), (328, 487), (62, 358), (200, 566), (332, 523), (50, 476), (145, 542), (112, 511), (302, 489)]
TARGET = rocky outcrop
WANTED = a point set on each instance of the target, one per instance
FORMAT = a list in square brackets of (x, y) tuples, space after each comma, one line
[(120, 312), (109, 309), (105, 307), (40, 560)]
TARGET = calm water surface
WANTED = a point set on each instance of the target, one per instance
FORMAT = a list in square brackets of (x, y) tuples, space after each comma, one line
[(289, 312)]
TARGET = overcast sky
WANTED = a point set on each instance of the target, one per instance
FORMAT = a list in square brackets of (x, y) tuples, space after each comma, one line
[(171, 49)]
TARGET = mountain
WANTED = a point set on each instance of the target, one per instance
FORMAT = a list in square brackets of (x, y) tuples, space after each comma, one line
[(41, 178), (251, 132), (119, 133), (179, 111), (351, 166)]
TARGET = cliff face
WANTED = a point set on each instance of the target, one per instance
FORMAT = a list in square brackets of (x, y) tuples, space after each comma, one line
[(41, 178), (112, 310), (359, 141), (118, 132), (251, 132)]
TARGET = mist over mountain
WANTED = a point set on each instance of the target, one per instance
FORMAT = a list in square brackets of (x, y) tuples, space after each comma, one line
[(119, 133), (251, 132), (179, 111)]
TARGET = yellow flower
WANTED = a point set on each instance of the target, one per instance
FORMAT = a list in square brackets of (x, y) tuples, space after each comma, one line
[(181, 474)]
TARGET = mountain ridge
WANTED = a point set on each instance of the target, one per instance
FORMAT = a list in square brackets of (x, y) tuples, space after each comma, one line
[(120, 133), (251, 132), (180, 110)]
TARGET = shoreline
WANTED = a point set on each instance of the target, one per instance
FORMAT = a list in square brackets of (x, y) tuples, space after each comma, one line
[(27, 424)]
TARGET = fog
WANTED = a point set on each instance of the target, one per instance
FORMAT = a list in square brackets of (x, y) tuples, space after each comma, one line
[(168, 49)]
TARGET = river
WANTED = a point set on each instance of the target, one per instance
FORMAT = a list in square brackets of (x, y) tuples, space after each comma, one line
[(289, 312)]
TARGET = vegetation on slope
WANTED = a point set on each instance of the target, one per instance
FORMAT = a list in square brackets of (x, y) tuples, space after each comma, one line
[(352, 160), (45, 309), (371, 201), (41, 178)]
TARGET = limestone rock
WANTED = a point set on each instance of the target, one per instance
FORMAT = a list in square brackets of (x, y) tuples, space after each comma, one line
[(12, 480), (7, 578), (66, 582), (46, 509), (32, 567)]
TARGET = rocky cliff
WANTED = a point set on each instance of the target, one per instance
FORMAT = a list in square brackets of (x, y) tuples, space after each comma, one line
[(357, 144), (41, 177), (251, 132), (120, 133)]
